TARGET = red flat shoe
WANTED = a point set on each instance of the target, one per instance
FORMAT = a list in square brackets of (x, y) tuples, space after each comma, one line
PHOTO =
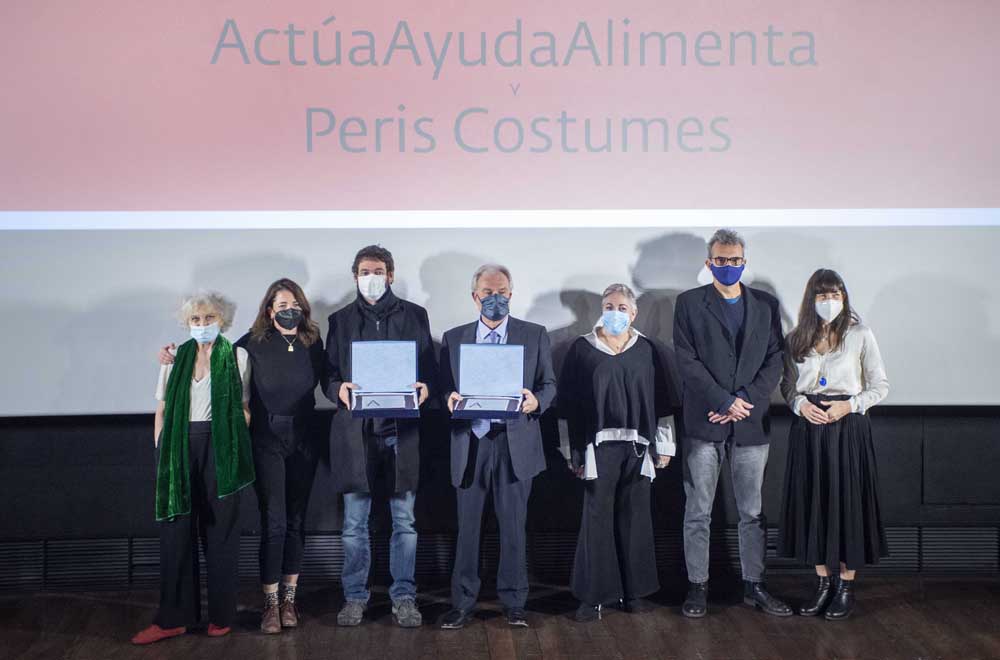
[(216, 631), (154, 633)]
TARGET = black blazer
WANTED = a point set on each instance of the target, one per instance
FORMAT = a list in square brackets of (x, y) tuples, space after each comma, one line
[(524, 434), (710, 371), (348, 455)]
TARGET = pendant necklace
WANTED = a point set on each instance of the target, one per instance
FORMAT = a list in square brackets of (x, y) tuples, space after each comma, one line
[(291, 349), (822, 359)]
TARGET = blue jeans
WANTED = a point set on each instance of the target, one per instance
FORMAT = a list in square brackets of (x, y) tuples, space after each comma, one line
[(357, 546), (702, 464)]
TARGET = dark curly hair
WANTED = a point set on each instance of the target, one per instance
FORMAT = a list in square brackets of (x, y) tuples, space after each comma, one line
[(376, 253)]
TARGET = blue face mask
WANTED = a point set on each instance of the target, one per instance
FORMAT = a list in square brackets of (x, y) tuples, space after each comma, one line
[(615, 322), (495, 307), (727, 275), (205, 334)]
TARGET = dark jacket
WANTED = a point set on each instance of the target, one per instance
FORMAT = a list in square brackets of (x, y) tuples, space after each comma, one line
[(713, 368), (524, 435), (403, 321)]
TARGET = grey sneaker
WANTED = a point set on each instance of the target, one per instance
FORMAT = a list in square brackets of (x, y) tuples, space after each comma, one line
[(406, 614), (351, 613)]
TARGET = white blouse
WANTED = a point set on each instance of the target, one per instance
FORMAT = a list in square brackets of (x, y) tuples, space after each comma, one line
[(201, 390), (854, 369)]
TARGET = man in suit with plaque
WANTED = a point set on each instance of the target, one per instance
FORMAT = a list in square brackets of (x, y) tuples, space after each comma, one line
[(498, 455)]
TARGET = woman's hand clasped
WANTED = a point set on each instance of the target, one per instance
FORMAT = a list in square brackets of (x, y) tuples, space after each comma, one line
[(814, 413), (836, 409)]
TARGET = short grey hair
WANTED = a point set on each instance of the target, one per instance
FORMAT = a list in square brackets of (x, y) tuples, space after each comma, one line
[(623, 289), (221, 305), (491, 269), (726, 237)]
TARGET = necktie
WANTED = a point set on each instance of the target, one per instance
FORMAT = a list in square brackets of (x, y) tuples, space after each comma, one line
[(482, 426)]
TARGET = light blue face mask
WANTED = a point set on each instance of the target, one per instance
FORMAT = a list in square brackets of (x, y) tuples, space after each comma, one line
[(615, 322), (205, 334)]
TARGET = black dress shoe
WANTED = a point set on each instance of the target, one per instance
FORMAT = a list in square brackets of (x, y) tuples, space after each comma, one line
[(755, 595), (516, 617), (818, 602), (455, 619), (637, 605), (586, 613), (842, 603), (696, 603)]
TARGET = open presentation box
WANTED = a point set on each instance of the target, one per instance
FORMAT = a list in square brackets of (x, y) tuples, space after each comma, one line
[(490, 379), (384, 372)]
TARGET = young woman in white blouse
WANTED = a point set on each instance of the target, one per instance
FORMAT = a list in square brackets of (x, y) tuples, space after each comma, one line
[(830, 515)]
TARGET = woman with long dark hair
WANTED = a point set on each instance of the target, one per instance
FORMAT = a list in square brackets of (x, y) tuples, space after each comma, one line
[(830, 511), (287, 361)]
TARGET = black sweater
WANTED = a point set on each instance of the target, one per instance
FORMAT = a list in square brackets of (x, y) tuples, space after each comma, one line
[(283, 381), (598, 391)]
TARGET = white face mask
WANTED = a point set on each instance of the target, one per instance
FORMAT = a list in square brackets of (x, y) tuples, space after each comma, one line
[(372, 287), (205, 334), (829, 309)]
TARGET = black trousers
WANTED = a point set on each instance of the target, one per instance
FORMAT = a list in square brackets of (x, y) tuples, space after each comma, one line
[(490, 469), (285, 459), (615, 556), (216, 522)]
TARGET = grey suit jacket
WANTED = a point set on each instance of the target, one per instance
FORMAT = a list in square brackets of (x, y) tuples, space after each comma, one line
[(524, 434)]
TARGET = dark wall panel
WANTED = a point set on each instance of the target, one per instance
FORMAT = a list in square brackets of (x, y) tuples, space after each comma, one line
[(961, 461), (92, 477)]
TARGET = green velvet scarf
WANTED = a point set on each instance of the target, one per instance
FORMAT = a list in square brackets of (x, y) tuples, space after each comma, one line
[(230, 437)]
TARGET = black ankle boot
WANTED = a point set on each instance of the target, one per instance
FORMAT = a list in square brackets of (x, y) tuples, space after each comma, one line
[(842, 603), (815, 605), (696, 603), (755, 595)]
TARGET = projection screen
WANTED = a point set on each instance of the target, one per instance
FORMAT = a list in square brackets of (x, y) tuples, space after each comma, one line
[(149, 150)]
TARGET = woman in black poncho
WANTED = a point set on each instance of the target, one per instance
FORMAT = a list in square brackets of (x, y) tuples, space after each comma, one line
[(612, 390)]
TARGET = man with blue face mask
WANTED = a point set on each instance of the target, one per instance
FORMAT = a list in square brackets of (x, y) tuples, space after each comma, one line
[(729, 348), (495, 455)]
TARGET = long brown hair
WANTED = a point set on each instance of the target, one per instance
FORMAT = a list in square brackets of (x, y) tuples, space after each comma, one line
[(807, 333), (263, 325)]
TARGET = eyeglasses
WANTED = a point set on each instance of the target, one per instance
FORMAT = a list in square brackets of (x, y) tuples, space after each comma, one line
[(730, 261)]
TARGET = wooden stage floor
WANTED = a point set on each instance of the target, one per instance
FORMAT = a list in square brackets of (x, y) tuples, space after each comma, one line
[(905, 617)]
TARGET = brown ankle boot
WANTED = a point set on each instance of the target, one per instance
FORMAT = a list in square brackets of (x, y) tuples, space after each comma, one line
[(289, 615), (270, 622)]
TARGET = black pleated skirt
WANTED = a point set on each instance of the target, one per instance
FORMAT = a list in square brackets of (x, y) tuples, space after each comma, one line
[(830, 510)]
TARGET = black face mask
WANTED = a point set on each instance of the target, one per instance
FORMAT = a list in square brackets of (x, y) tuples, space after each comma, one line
[(288, 318)]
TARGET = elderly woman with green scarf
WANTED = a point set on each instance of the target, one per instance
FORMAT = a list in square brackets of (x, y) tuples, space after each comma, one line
[(201, 432)]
